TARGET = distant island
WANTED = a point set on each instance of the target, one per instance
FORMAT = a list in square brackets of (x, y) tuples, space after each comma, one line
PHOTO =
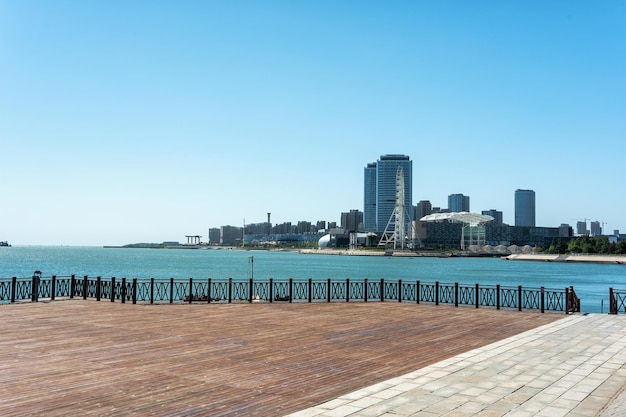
[(164, 245)]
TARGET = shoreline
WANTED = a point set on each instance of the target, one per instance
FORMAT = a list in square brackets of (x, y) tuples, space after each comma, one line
[(574, 258)]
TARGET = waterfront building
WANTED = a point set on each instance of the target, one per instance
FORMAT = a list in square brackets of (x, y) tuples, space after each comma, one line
[(458, 203), (214, 236), (447, 234), (497, 216), (231, 235), (524, 208), (380, 190)]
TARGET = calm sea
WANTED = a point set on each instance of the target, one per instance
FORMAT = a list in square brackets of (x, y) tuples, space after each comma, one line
[(591, 281)]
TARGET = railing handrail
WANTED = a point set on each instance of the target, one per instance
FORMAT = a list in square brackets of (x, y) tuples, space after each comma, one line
[(270, 290)]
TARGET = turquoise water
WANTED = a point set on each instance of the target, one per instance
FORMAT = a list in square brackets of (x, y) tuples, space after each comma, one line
[(590, 281)]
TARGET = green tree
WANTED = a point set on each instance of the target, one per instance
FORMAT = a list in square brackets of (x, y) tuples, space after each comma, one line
[(574, 246)]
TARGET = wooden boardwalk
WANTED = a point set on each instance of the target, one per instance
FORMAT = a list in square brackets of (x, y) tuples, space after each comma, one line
[(84, 358)]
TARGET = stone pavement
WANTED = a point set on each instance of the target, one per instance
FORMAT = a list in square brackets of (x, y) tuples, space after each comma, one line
[(573, 367)]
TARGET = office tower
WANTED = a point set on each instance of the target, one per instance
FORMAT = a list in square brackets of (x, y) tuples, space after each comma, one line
[(581, 228), (497, 216), (380, 190), (525, 208), (369, 197), (352, 221), (458, 203), (423, 208)]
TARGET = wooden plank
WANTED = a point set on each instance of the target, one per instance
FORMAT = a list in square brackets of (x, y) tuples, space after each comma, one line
[(100, 358)]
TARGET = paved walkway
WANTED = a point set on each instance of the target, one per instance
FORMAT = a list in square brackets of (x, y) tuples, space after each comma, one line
[(572, 367)]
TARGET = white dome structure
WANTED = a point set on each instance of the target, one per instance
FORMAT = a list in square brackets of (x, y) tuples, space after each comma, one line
[(324, 241)]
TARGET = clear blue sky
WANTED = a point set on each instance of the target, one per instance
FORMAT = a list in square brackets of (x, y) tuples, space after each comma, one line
[(145, 121)]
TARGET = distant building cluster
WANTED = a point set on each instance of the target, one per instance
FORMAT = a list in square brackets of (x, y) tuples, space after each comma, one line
[(389, 218)]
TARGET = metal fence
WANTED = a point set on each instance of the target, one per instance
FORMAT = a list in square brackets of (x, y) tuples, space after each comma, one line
[(287, 290)]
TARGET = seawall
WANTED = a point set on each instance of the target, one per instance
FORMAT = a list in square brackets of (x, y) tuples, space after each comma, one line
[(598, 259)]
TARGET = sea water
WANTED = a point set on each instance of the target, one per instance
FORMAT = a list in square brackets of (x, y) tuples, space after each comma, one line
[(590, 281)]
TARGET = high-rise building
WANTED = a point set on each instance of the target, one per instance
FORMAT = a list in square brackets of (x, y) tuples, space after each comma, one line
[(380, 190), (352, 221), (423, 208), (596, 229), (497, 216), (581, 228), (369, 197), (458, 203), (525, 208)]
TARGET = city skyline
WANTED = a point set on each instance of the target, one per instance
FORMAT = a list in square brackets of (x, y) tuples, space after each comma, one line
[(145, 122)]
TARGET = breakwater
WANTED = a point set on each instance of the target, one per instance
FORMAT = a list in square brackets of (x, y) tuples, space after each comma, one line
[(290, 290)]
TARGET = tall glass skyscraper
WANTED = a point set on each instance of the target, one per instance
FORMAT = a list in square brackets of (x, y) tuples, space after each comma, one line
[(380, 190), (458, 203), (524, 208), (369, 197)]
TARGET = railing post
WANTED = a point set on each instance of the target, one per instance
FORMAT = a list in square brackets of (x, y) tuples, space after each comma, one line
[(382, 290), (85, 286), (134, 291), (328, 288), (399, 290), (612, 302), (190, 290), (436, 293), (230, 290), (171, 290), (418, 290), (112, 289), (13, 288), (543, 300), (476, 295), (271, 290), (250, 291), (310, 290), (365, 290), (519, 298), (152, 290), (575, 300), (347, 290), (53, 287), (123, 290), (456, 294), (290, 290), (72, 286), (98, 281), (34, 296), (208, 291), (566, 300), (497, 296)]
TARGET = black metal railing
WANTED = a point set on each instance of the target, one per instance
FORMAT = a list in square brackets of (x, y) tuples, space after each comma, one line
[(617, 300), (289, 290)]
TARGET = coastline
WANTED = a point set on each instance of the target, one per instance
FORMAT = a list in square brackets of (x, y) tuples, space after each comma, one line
[(576, 258)]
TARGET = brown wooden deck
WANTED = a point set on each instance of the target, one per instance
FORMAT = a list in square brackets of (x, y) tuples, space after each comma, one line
[(100, 358)]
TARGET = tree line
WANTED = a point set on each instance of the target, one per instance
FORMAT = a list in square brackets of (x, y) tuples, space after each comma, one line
[(586, 244)]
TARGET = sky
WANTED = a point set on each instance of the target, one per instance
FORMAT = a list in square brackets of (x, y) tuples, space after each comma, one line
[(146, 121)]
